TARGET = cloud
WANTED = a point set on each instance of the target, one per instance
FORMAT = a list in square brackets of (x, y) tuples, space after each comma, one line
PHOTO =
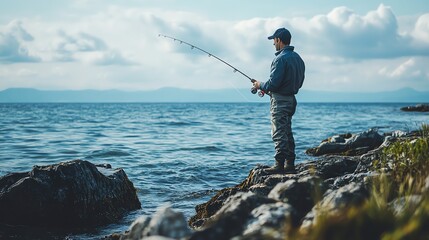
[(411, 69), (340, 33), (86, 48), (344, 33), (12, 49), (421, 31)]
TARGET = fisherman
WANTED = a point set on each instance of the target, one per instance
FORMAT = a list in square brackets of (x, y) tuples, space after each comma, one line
[(286, 78)]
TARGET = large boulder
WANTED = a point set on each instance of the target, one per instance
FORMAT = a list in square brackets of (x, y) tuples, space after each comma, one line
[(348, 144), (69, 194)]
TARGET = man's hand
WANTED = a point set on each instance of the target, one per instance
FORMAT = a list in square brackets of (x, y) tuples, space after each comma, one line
[(256, 84)]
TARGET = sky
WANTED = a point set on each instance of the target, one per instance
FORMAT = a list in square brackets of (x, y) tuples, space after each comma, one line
[(347, 46)]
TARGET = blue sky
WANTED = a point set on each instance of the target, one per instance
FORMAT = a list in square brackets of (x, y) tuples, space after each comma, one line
[(364, 46)]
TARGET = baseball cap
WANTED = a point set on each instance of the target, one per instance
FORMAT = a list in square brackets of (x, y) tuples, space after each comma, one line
[(281, 33)]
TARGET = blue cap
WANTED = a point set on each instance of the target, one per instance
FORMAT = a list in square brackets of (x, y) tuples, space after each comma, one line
[(283, 34)]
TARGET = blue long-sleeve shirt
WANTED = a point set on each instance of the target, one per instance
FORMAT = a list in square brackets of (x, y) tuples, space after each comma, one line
[(287, 73)]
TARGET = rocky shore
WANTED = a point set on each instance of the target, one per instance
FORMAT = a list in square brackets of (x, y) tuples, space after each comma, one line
[(291, 206), (354, 187)]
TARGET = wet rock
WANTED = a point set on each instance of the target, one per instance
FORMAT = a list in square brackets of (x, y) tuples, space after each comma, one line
[(164, 224), (208, 209), (416, 108), (230, 220), (69, 194), (348, 144)]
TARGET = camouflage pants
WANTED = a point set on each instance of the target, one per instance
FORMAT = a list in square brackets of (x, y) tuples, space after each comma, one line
[(282, 110)]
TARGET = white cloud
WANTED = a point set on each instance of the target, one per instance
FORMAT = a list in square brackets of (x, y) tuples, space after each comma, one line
[(12, 49), (342, 32), (404, 68), (411, 69), (421, 31)]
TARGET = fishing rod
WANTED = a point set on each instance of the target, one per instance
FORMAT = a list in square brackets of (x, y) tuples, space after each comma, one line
[(252, 90)]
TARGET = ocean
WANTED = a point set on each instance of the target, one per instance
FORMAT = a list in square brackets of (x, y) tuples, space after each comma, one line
[(175, 153)]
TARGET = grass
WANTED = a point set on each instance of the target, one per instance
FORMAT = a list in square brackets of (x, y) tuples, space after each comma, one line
[(403, 168)]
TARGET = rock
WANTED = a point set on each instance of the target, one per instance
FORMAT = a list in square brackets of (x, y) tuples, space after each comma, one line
[(230, 220), (258, 181), (336, 200), (416, 108), (258, 176), (208, 209), (266, 221), (261, 183), (332, 166), (164, 224), (335, 183), (69, 194), (300, 194), (348, 144)]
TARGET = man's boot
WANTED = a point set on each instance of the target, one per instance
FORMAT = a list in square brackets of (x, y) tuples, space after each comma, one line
[(290, 166), (279, 167)]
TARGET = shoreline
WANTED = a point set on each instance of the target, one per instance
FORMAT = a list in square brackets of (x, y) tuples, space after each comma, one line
[(295, 206)]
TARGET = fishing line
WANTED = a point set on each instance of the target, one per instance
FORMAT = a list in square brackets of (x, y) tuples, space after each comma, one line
[(253, 90)]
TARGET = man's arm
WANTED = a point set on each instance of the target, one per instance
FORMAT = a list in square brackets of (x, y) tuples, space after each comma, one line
[(275, 80)]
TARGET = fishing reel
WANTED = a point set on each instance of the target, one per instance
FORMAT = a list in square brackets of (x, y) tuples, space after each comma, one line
[(261, 93)]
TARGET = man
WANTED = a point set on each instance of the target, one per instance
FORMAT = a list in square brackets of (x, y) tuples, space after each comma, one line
[(286, 78)]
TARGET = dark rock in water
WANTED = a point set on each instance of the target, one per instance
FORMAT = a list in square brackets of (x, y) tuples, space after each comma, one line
[(417, 108), (348, 144), (70, 194)]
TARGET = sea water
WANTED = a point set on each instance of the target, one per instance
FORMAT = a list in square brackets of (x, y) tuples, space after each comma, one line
[(175, 153)]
